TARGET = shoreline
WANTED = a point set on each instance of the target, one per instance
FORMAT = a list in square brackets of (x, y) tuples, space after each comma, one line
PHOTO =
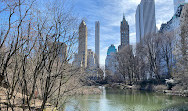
[(36, 103), (153, 88)]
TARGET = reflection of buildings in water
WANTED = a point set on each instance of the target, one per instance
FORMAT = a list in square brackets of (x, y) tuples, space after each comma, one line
[(136, 98), (103, 91), (121, 100)]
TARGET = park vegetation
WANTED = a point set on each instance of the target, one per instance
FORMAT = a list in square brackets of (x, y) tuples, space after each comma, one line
[(37, 43), (157, 57)]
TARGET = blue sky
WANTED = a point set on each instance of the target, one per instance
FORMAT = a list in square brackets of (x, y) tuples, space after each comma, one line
[(110, 13)]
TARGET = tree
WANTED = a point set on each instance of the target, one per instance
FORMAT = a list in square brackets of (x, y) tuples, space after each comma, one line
[(166, 53), (140, 62), (151, 44), (36, 47), (126, 65)]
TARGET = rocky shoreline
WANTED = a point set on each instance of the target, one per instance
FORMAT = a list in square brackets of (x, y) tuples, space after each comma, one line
[(154, 88), (176, 93)]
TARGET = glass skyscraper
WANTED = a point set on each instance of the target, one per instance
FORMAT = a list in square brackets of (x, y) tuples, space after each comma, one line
[(145, 19)]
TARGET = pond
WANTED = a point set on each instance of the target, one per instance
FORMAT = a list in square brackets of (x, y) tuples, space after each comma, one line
[(127, 100)]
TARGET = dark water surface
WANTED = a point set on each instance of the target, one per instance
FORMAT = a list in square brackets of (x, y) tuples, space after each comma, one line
[(120, 100)]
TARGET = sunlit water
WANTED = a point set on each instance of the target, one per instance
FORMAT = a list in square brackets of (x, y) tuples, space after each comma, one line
[(119, 100)]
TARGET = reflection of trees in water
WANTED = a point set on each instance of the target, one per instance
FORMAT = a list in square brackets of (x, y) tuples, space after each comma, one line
[(139, 98), (86, 103), (128, 100)]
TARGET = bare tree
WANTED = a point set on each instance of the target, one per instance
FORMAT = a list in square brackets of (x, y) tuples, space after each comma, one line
[(126, 65), (151, 44), (166, 53), (140, 62), (35, 49)]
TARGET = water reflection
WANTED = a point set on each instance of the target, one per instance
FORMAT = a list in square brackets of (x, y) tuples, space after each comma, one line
[(119, 100)]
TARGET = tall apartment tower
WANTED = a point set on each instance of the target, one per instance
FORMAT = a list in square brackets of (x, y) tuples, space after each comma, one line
[(138, 27), (82, 48), (97, 43), (124, 32), (145, 19), (177, 3)]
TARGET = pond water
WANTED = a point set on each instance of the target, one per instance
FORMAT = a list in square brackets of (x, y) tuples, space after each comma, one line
[(127, 100)]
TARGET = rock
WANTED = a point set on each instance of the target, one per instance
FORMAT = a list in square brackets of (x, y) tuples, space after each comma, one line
[(170, 83)]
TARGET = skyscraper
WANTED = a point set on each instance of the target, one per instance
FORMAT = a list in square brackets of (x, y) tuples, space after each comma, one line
[(177, 3), (82, 48), (97, 43), (145, 19), (124, 32), (138, 29)]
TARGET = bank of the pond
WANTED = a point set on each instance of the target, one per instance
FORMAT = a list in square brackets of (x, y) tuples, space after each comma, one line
[(150, 87), (87, 90), (36, 103)]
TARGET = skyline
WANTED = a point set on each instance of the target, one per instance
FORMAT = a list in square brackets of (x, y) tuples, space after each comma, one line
[(110, 14), (49, 49)]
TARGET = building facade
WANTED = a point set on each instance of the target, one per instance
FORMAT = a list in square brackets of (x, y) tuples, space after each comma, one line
[(177, 3), (90, 59), (111, 62), (62, 48), (184, 33), (82, 48), (138, 28), (97, 43), (145, 19), (76, 61), (173, 27), (124, 32)]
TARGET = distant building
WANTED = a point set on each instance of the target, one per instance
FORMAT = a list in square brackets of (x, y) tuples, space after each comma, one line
[(182, 17), (174, 23), (110, 62), (97, 43), (184, 22), (62, 51), (138, 26), (145, 19), (90, 59), (60, 48), (76, 61), (173, 26), (177, 3), (124, 32), (82, 48)]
